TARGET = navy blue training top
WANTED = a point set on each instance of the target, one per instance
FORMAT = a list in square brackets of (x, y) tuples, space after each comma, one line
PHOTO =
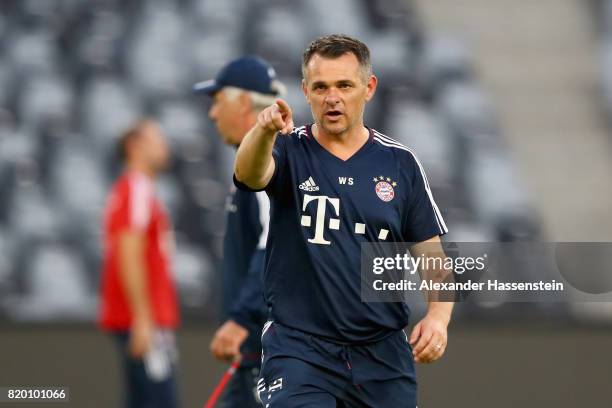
[(322, 209)]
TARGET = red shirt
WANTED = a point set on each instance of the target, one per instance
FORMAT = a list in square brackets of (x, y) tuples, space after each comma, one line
[(132, 206)]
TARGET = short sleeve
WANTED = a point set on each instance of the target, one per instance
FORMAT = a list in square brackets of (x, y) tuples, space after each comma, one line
[(279, 153), (422, 219), (133, 208)]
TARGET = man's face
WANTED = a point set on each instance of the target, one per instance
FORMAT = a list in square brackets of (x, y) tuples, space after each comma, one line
[(226, 112), (154, 146), (337, 92)]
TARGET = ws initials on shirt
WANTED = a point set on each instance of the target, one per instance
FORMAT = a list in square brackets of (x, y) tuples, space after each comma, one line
[(345, 180)]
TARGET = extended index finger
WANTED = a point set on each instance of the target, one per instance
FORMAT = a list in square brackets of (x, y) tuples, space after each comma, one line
[(283, 106)]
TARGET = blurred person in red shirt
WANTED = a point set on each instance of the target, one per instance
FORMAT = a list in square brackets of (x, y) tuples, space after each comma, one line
[(139, 304)]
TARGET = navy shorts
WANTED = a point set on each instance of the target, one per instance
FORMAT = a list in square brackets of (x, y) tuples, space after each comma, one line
[(142, 388), (304, 371)]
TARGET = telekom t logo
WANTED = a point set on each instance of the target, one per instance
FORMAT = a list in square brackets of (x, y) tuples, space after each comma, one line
[(321, 203), (334, 223)]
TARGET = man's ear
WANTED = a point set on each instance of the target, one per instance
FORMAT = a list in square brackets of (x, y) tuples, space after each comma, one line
[(371, 85), (305, 90), (246, 104)]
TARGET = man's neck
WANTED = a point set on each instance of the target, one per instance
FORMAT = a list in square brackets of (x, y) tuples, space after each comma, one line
[(355, 136), (140, 168), (343, 145)]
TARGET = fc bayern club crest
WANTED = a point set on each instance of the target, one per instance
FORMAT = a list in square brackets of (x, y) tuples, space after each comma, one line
[(384, 188)]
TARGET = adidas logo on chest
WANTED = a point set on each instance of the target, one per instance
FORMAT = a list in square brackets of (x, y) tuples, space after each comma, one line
[(309, 185)]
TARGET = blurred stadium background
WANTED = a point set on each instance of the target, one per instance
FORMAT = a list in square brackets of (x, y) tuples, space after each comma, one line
[(507, 103)]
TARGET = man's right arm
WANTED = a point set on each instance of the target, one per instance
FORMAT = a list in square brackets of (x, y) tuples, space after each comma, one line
[(254, 164), (134, 280)]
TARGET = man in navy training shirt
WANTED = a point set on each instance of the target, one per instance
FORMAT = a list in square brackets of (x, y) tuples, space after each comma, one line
[(332, 186), (243, 88)]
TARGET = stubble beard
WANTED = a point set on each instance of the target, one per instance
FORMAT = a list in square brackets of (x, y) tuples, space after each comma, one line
[(334, 131)]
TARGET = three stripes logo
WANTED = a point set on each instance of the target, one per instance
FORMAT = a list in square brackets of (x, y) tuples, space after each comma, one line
[(309, 185)]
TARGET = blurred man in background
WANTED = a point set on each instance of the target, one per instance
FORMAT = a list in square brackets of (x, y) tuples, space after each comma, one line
[(241, 90), (139, 305)]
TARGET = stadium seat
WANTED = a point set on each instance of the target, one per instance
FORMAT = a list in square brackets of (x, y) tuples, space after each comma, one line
[(33, 214), (392, 55), (194, 273), (108, 106), (169, 193), (54, 293), (345, 17), (32, 51), (281, 50), (211, 50), (466, 108), (182, 124), (83, 195), (158, 61), (97, 41), (444, 59), (497, 198), (419, 129), (218, 16), (44, 98)]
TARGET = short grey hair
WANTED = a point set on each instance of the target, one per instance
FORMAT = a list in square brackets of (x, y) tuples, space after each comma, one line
[(259, 100)]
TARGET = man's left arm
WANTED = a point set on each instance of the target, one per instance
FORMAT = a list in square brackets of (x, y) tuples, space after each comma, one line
[(246, 315), (249, 309), (430, 336)]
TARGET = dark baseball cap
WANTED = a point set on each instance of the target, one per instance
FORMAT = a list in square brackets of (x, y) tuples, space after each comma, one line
[(250, 73)]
